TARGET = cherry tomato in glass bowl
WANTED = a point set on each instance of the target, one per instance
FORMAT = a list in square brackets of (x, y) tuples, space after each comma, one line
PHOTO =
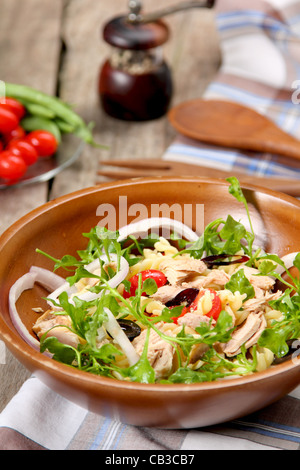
[(44, 142), (159, 278), (12, 167), (8, 120), (13, 106), (25, 150), (15, 134)]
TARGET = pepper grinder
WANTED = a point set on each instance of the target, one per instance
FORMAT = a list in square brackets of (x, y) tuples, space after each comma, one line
[(135, 81)]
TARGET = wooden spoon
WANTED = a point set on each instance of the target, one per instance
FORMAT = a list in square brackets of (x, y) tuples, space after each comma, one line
[(229, 124)]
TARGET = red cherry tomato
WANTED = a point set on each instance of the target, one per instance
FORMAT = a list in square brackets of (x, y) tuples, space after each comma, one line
[(12, 167), (214, 312), (13, 106), (8, 120), (25, 150), (184, 311), (1, 145), (216, 304), (159, 278), (17, 133), (44, 142)]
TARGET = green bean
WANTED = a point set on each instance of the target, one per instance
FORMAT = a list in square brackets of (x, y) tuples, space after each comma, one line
[(57, 106), (63, 126), (32, 123), (40, 111)]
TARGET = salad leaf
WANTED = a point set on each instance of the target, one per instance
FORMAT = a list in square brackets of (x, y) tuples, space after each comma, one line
[(268, 264), (281, 331), (168, 314), (221, 332), (149, 286), (236, 191), (239, 283), (214, 367), (61, 352), (141, 371), (78, 312)]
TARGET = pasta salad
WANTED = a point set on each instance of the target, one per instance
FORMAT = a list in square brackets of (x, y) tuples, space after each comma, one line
[(179, 310)]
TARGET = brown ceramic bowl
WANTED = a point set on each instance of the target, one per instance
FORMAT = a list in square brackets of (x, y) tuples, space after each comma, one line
[(57, 227)]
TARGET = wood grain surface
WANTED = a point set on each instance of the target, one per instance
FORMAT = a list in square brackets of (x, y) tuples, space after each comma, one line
[(57, 47)]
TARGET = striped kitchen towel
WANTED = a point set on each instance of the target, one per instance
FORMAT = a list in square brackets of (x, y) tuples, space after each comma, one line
[(37, 418), (260, 43)]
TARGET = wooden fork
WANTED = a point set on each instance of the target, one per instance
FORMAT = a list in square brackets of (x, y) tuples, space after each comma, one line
[(127, 169)]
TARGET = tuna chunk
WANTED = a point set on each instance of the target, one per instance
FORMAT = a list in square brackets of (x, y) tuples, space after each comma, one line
[(215, 278), (258, 304), (248, 334), (179, 270), (48, 320), (193, 320), (261, 282), (166, 293), (160, 353)]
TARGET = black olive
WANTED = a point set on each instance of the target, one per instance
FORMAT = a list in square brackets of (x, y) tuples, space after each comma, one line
[(186, 295), (130, 328), (215, 260)]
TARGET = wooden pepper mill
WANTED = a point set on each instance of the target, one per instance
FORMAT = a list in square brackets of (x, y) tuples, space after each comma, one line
[(135, 81)]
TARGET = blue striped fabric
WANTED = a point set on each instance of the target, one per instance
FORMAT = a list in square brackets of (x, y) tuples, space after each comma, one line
[(246, 83)]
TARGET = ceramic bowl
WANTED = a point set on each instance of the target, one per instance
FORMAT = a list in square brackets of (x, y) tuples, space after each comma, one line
[(57, 228)]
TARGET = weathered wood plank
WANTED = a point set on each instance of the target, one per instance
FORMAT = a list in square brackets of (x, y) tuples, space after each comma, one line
[(30, 35), (193, 67), (29, 51)]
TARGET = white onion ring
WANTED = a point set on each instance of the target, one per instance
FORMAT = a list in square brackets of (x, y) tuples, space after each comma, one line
[(122, 273), (142, 227), (288, 261), (25, 282), (47, 279), (114, 329), (56, 293), (113, 282)]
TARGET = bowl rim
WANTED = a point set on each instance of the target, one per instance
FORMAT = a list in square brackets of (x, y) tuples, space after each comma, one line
[(20, 348)]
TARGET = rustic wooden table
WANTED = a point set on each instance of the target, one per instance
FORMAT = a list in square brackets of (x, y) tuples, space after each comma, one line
[(56, 46)]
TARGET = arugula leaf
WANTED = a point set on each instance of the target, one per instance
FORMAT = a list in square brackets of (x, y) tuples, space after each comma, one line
[(209, 238), (221, 237), (239, 283), (79, 312), (81, 273), (236, 191), (66, 262), (214, 367), (276, 337), (141, 371), (188, 376), (187, 341), (167, 314), (221, 332), (296, 262), (61, 352), (100, 361), (149, 286), (268, 264)]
